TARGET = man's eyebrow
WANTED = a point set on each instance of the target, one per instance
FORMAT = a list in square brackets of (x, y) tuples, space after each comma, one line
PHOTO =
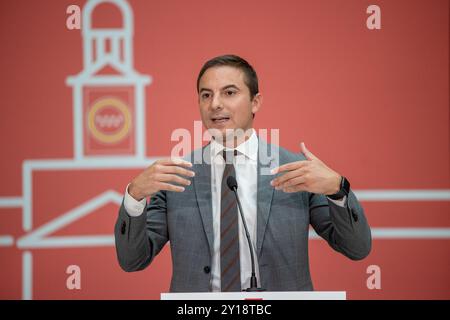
[(223, 88), (205, 89), (230, 86)]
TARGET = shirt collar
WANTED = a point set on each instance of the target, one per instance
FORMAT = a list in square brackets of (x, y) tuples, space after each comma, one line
[(249, 147)]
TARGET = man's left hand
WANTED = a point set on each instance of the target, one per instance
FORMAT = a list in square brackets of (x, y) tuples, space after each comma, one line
[(310, 175)]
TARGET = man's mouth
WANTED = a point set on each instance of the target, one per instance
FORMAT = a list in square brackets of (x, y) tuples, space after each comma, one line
[(220, 119)]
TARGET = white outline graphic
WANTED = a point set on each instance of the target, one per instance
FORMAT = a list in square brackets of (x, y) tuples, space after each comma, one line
[(121, 39), (120, 57)]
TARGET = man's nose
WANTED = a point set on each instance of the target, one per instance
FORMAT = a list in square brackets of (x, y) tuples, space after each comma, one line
[(216, 102)]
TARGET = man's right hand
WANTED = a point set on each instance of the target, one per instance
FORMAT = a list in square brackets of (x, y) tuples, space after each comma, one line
[(160, 176)]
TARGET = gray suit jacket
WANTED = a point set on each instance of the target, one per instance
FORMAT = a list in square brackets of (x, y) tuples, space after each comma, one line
[(283, 221)]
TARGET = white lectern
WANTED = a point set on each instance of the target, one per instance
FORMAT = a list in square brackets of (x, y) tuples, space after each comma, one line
[(264, 295)]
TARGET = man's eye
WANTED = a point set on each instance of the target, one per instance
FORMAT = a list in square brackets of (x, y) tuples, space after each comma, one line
[(205, 95), (230, 93)]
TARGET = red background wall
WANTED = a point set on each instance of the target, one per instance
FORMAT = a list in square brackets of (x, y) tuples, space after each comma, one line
[(372, 104)]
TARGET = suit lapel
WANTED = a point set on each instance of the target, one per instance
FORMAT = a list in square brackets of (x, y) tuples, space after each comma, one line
[(265, 191), (202, 185)]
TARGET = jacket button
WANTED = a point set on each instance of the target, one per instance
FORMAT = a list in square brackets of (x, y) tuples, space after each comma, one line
[(123, 228), (355, 216), (207, 269)]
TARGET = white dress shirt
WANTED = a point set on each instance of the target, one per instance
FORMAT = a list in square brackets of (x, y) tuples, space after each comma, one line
[(245, 163)]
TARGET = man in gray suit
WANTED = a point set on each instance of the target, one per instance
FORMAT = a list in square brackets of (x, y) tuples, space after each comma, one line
[(281, 192)]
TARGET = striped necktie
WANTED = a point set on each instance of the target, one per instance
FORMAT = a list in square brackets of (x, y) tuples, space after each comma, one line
[(229, 232)]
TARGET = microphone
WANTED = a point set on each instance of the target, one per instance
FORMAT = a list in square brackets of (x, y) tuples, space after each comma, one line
[(232, 184)]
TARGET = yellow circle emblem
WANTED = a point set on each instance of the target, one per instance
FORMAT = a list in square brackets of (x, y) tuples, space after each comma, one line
[(112, 137)]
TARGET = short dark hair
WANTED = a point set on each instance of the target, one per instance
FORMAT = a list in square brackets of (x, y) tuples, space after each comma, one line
[(251, 79)]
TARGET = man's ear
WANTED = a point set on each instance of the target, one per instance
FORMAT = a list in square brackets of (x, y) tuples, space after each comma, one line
[(256, 103)]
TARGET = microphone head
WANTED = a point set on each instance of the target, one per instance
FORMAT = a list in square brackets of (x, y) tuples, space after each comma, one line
[(232, 183)]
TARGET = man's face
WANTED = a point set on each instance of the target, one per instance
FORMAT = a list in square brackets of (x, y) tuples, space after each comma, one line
[(224, 100)]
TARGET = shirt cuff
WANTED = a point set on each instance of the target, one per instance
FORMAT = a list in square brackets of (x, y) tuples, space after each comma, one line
[(133, 207), (340, 203)]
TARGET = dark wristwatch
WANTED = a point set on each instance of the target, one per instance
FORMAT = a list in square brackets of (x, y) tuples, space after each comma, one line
[(344, 191)]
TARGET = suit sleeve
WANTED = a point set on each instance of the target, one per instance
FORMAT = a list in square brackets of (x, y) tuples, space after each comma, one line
[(140, 238), (344, 228)]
